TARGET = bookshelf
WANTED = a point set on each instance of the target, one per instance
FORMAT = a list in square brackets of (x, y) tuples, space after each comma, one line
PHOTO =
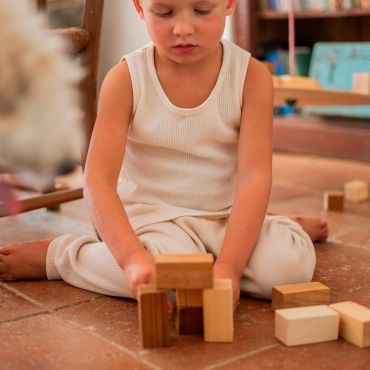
[(254, 29)]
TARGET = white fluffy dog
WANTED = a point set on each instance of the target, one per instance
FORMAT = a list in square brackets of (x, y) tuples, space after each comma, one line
[(39, 112)]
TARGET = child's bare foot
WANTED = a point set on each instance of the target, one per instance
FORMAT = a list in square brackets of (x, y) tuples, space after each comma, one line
[(24, 261), (315, 227)]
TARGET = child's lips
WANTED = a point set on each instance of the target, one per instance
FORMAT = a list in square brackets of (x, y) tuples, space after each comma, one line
[(185, 48)]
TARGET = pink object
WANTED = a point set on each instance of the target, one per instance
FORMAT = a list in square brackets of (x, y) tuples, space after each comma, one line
[(291, 39), (8, 198)]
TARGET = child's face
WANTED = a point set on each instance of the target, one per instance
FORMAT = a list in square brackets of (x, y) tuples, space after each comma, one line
[(185, 31)]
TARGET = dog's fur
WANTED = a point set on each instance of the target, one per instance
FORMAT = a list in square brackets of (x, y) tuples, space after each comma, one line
[(39, 112), (38, 93)]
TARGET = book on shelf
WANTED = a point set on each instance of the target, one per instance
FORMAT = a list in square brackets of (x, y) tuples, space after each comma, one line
[(312, 5)]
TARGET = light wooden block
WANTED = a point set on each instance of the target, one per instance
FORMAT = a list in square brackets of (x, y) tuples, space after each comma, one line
[(354, 324), (299, 295), (333, 200), (189, 320), (218, 313), (189, 297), (184, 271), (356, 191), (153, 316), (361, 83), (304, 325), (295, 81)]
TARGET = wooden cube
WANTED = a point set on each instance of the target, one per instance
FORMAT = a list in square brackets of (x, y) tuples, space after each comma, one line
[(189, 297), (153, 316), (304, 325), (184, 271), (356, 191), (333, 200), (299, 295), (361, 83), (354, 324), (218, 315), (189, 320)]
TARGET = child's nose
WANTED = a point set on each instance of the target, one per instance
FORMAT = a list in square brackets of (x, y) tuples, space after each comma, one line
[(183, 27)]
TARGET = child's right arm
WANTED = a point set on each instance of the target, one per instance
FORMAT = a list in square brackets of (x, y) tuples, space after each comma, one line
[(104, 160)]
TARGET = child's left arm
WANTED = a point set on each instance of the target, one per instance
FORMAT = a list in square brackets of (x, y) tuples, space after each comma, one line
[(254, 176)]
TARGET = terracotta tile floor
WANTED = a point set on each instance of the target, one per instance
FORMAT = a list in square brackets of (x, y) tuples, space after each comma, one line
[(51, 325)]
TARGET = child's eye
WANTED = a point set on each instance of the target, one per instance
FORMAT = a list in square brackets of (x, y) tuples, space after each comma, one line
[(163, 15), (202, 12)]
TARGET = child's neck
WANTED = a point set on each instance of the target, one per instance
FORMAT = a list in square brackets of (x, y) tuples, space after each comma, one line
[(188, 86)]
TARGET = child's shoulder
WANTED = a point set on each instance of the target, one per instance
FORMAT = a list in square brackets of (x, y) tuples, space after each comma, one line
[(139, 53)]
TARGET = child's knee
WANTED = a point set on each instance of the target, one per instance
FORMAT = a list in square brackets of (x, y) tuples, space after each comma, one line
[(283, 255)]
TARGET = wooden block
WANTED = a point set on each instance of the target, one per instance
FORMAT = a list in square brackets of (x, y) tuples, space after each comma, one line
[(184, 271), (361, 83), (304, 325), (189, 320), (218, 314), (189, 297), (354, 324), (299, 295), (333, 200), (295, 81), (153, 316), (356, 191)]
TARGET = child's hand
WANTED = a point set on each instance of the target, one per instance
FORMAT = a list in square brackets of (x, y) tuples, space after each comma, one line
[(139, 269), (224, 271)]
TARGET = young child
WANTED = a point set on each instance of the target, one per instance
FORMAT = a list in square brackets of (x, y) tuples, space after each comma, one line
[(190, 118)]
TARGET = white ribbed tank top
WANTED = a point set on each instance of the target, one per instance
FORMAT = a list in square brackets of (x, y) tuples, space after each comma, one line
[(180, 161)]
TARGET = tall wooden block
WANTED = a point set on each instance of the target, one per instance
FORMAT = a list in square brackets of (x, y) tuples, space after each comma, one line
[(300, 295), (218, 312), (184, 271), (356, 191), (189, 320), (153, 316), (361, 83), (354, 324), (333, 200), (304, 325), (189, 297)]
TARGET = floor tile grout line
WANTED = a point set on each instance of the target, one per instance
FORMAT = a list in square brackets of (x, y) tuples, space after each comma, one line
[(46, 308), (236, 358), (12, 321), (112, 343), (23, 296)]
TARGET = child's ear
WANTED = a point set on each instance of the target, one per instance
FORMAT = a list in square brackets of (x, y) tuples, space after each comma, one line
[(139, 8), (230, 6)]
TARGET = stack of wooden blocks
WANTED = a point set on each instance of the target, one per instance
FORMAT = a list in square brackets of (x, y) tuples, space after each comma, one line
[(204, 304), (354, 191), (303, 315)]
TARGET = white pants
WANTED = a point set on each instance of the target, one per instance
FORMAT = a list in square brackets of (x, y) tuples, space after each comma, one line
[(284, 254)]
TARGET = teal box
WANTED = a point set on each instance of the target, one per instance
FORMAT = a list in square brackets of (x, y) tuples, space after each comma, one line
[(333, 65)]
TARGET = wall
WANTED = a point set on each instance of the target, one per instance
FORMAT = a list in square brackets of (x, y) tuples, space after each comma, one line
[(122, 32)]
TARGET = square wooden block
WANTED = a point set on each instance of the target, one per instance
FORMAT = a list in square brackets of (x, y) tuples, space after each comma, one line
[(153, 316), (189, 320), (189, 297), (361, 83), (184, 271), (356, 191), (354, 324), (333, 200), (300, 295), (304, 325), (218, 314)]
